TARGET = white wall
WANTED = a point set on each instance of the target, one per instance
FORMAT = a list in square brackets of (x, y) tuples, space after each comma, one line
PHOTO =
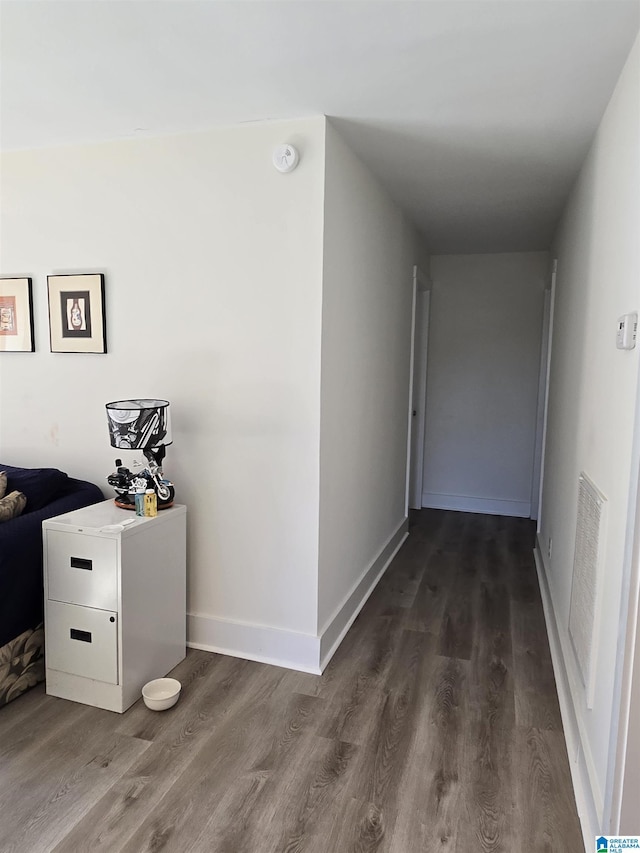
[(592, 407), (482, 382), (213, 264), (366, 332)]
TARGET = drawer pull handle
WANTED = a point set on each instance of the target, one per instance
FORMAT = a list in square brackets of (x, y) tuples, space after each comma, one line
[(84, 636), (81, 563)]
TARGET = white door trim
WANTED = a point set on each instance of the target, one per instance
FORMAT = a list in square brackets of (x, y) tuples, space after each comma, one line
[(621, 791), (410, 418), (542, 395), (538, 476), (418, 395)]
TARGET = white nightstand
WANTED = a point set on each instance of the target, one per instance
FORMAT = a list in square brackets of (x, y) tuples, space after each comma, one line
[(115, 602)]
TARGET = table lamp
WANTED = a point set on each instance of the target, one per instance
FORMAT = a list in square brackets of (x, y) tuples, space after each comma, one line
[(140, 425)]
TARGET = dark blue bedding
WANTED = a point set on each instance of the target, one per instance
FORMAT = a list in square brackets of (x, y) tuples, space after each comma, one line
[(21, 592)]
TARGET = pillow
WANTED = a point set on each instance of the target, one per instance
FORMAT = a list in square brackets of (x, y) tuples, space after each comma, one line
[(12, 505), (3, 483), (39, 485)]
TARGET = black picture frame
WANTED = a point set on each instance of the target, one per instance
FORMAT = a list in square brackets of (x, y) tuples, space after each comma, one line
[(77, 319), (16, 315)]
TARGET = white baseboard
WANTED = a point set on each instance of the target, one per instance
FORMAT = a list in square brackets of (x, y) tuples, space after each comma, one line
[(337, 626), (288, 649), (588, 800), (486, 506)]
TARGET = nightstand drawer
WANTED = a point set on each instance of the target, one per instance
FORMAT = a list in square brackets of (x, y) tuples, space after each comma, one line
[(82, 641), (82, 569)]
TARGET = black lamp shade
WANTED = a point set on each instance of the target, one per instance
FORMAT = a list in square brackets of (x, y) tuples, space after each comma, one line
[(139, 424)]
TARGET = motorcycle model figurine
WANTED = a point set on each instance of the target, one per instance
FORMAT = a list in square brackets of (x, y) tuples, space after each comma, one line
[(126, 483)]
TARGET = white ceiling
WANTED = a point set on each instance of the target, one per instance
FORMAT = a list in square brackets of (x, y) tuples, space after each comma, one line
[(475, 115)]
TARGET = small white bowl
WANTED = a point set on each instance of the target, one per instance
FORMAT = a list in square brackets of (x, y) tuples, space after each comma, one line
[(161, 693)]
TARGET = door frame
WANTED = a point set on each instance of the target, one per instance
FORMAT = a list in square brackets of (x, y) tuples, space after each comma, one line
[(537, 479), (621, 791), (417, 387)]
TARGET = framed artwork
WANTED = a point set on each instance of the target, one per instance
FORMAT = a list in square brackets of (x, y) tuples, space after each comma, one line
[(16, 315), (77, 321)]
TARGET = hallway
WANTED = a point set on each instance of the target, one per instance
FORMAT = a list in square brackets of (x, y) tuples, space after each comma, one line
[(488, 765), (435, 728)]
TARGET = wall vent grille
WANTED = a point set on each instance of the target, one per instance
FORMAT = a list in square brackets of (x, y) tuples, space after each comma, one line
[(587, 581)]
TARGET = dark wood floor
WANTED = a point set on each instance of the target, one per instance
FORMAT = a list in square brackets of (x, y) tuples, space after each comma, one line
[(435, 728)]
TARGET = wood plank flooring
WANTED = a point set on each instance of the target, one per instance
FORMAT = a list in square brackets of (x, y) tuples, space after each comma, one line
[(435, 727)]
